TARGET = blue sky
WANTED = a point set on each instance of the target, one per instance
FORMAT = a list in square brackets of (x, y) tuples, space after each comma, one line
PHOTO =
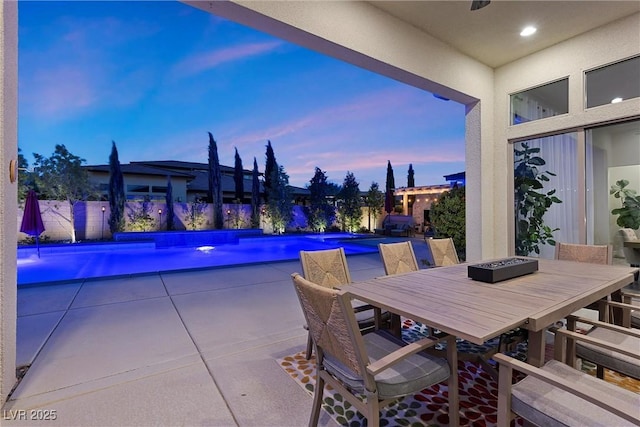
[(155, 77)]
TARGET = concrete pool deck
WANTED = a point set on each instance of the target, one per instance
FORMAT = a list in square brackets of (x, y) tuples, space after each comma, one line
[(190, 348)]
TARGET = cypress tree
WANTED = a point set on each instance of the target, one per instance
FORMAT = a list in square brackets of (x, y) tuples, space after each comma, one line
[(215, 184), (116, 192), (391, 183), (255, 196), (268, 171), (410, 180), (169, 202), (238, 178)]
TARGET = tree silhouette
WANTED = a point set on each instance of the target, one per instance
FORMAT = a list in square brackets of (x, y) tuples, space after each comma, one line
[(320, 212), (349, 208), (391, 182), (280, 205), (374, 200), (169, 203), (269, 167), (255, 196), (116, 192), (238, 178), (410, 180), (215, 184), (61, 177)]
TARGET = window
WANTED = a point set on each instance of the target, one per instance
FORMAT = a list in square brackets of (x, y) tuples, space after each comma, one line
[(540, 102), (136, 188), (158, 189), (613, 83)]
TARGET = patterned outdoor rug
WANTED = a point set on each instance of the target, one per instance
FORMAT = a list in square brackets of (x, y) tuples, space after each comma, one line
[(477, 389)]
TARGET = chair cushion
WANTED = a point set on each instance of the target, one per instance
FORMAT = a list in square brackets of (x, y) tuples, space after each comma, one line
[(544, 404), (409, 376), (635, 319), (618, 362)]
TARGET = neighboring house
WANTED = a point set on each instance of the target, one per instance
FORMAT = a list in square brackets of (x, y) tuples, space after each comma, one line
[(456, 179), (416, 201), (141, 181), (189, 180)]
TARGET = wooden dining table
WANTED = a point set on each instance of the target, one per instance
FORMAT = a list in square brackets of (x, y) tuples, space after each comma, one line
[(447, 299)]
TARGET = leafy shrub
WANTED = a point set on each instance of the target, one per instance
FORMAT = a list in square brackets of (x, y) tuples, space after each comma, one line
[(448, 218)]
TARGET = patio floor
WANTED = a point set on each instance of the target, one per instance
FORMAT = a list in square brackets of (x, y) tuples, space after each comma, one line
[(190, 348)]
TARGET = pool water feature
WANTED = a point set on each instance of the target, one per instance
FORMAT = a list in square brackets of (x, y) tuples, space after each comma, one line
[(84, 261)]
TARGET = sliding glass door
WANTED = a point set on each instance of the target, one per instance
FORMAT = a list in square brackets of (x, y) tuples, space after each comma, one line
[(612, 159)]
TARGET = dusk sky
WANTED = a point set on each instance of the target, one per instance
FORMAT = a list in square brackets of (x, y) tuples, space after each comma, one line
[(155, 77)]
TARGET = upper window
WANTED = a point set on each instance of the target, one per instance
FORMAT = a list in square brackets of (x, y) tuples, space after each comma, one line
[(540, 102), (613, 83), (136, 188)]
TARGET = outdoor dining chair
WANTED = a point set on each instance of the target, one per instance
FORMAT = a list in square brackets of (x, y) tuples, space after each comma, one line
[(398, 258), (592, 254), (373, 370), (329, 268), (559, 395), (618, 344), (443, 252)]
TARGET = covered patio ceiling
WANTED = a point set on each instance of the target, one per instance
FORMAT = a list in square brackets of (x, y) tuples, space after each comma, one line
[(491, 34)]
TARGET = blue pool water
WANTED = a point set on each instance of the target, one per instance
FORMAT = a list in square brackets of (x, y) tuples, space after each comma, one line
[(84, 261)]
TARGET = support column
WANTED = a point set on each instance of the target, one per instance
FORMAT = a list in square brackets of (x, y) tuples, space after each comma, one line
[(8, 193)]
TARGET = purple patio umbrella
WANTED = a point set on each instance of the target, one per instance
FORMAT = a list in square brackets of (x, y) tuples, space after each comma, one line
[(31, 219)]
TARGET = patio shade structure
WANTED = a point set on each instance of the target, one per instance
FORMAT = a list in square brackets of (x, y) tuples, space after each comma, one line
[(32, 219)]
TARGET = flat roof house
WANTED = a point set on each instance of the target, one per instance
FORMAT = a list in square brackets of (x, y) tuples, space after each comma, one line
[(553, 89)]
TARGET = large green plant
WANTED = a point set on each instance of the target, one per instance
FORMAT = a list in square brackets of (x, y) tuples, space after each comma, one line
[(62, 177), (350, 209), (629, 213), (531, 201), (448, 218)]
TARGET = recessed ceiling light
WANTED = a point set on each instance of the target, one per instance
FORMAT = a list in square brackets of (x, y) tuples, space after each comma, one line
[(527, 31), (616, 100)]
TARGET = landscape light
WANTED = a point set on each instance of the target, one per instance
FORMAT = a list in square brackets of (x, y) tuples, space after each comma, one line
[(616, 100)]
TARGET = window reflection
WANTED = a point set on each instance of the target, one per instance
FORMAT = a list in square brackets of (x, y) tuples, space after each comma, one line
[(541, 102), (613, 83)]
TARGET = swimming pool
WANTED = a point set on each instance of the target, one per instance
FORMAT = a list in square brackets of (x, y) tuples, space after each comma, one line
[(83, 261)]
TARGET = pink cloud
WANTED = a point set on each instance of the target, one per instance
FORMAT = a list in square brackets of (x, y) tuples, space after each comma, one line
[(59, 91), (207, 60)]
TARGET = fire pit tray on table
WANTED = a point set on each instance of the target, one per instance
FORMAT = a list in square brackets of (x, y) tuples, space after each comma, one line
[(502, 269)]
